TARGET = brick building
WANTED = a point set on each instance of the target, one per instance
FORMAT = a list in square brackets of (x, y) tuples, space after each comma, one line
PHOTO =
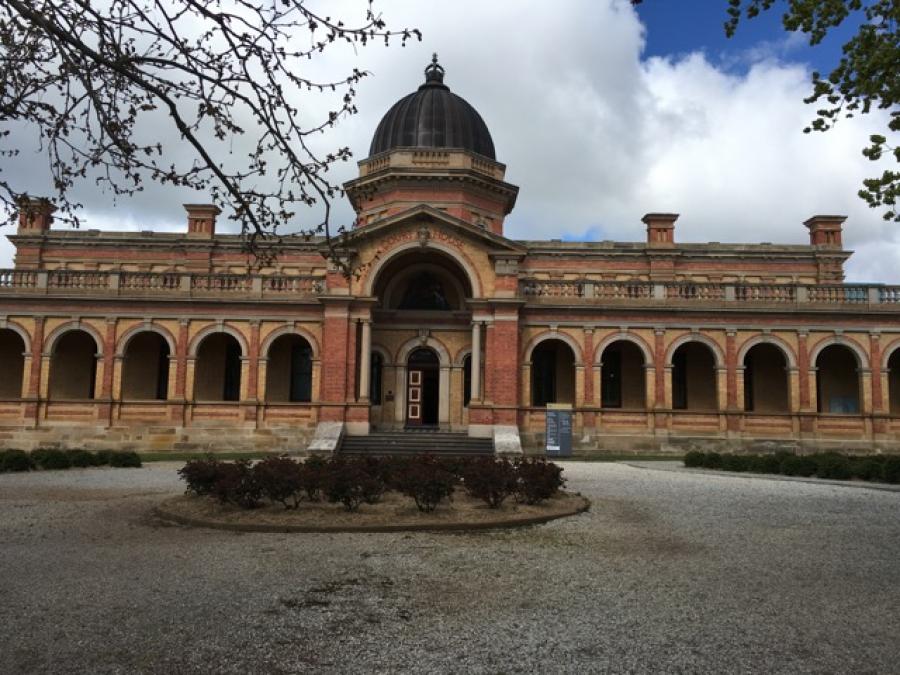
[(159, 340)]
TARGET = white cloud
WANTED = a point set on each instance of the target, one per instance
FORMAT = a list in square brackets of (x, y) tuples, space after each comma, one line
[(595, 137)]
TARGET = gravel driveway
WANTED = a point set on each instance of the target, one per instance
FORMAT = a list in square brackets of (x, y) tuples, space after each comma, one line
[(669, 571)]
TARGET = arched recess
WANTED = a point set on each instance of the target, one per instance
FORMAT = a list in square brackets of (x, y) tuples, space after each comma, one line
[(718, 355), (637, 340), (266, 344), (289, 369), (13, 347), (786, 350), (402, 384), (145, 365), (62, 329), (838, 378), (694, 375), (378, 361), (213, 330), (145, 328), (73, 365), (553, 362), (766, 377), (455, 256), (892, 368), (554, 335), (862, 358), (217, 367), (20, 331), (623, 383)]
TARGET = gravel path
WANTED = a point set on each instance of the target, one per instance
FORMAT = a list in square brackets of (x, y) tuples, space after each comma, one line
[(669, 571)]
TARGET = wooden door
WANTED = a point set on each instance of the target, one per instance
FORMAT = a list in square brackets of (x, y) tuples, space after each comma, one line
[(414, 398)]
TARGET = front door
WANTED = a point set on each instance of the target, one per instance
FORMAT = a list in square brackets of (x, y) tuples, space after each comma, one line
[(422, 389)]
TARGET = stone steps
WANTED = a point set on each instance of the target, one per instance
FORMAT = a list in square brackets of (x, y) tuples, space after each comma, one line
[(416, 442)]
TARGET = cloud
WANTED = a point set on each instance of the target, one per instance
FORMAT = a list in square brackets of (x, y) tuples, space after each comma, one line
[(596, 136)]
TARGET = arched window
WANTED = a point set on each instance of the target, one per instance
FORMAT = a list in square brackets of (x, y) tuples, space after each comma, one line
[(289, 370), (467, 380), (894, 382), (217, 373), (837, 380), (694, 378), (12, 364), (765, 380), (376, 365), (552, 373), (145, 368), (622, 382), (73, 366)]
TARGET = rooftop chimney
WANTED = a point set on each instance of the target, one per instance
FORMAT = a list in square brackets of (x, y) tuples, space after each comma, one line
[(202, 220), (35, 215), (825, 230), (660, 229)]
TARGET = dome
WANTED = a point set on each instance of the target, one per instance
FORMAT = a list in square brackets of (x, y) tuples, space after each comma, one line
[(433, 117)]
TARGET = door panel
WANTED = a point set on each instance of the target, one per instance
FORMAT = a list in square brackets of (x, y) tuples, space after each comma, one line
[(414, 398)]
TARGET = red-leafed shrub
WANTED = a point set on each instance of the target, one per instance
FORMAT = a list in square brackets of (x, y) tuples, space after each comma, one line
[(348, 482), (237, 485), (426, 481), (280, 479), (312, 477), (491, 480), (201, 475), (538, 480)]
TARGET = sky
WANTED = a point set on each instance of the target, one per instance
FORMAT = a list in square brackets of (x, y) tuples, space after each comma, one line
[(602, 112)]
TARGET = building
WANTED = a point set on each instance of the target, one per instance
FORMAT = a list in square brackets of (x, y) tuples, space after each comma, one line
[(164, 341)]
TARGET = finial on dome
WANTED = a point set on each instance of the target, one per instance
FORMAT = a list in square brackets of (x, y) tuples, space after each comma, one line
[(434, 72)]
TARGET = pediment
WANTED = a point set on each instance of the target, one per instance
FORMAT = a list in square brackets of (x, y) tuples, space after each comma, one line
[(429, 223)]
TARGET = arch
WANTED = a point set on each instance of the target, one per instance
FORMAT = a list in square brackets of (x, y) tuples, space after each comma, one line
[(12, 363), (461, 356), (838, 378), (766, 378), (73, 365), (289, 370), (623, 381), (718, 355), (289, 329), (552, 375), (454, 254), (888, 351), (212, 330), (554, 335), (145, 328), (693, 375), (62, 329), (788, 353), (627, 337), (893, 382), (20, 331), (862, 359), (409, 346), (217, 370), (145, 366), (394, 290)]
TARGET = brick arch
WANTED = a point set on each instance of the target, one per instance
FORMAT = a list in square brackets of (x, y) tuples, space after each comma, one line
[(410, 345), (59, 331), (19, 330), (862, 359), (461, 356), (134, 331), (888, 351), (212, 330), (266, 344), (785, 348), (626, 337), (553, 335), (718, 355), (454, 254)]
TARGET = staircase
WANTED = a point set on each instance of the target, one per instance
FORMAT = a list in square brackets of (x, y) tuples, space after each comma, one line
[(416, 442)]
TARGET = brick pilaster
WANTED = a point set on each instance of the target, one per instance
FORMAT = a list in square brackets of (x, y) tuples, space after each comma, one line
[(731, 370), (659, 357), (181, 349), (253, 356), (875, 360)]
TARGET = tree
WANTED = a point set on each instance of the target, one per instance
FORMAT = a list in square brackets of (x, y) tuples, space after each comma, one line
[(104, 82), (867, 76)]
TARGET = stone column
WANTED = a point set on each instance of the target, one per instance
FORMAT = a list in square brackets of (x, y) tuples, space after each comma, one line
[(365, 360), (444, 396), (475, 362)]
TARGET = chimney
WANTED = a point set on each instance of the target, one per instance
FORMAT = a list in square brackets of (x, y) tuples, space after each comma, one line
[(825, 231), (202, 220), (660, 229), (35, 215)]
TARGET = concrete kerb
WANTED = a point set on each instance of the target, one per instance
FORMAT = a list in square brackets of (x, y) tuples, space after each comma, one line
[(501, 523), (882, 487)]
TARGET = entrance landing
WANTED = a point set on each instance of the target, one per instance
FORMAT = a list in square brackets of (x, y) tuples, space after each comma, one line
[(416, 442)]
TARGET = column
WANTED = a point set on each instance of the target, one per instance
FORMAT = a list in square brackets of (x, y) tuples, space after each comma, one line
[(253, 362), (475, 363), (181, 349), (365, 356), (875, 361), (588, 367), (662, 368)]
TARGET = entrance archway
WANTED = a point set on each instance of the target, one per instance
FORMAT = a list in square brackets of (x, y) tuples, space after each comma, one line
[(422, 388)]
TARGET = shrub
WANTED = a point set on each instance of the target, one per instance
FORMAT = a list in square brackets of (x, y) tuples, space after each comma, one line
[(201, 475), (312, 477), (694, 459), (125, 459), (890, 469), (80, 458), (712, 460), (348, 483), (538, 480), (51, 458), (866, 468), (832, 465), (101, 457), (426, 480), (280, 479), (15, 460), (735, 463), (797, 465), (491, 480), (236, 484), (768, 463)]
